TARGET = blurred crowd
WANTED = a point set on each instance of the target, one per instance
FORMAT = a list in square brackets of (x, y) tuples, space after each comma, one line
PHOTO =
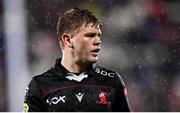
[(141, 40)]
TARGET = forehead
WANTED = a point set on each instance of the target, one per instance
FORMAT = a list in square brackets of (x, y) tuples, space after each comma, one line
[(89, 28)]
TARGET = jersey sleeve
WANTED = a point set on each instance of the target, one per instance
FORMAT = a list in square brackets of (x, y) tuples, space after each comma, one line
[(121, 97), (32, 100)]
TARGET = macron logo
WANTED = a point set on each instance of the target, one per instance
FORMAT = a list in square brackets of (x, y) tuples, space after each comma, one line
[(79, 96)]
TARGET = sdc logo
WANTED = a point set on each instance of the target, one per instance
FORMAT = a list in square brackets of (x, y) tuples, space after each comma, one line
[(105, 73)]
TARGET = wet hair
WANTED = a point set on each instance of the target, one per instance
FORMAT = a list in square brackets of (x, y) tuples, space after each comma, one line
[(73, 19)]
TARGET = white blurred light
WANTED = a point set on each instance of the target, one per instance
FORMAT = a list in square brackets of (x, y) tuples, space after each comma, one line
[(16, 52)]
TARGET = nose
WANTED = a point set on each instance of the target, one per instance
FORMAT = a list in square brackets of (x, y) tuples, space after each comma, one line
[(97, 41)]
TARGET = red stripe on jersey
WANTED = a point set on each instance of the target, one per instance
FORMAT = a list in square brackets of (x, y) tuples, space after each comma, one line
[(125, 92)]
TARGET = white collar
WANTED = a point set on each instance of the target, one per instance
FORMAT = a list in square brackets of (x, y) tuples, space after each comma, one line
[(75, 77)]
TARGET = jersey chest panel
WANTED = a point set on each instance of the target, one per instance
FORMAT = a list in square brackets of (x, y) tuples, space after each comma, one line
[(80, 97)]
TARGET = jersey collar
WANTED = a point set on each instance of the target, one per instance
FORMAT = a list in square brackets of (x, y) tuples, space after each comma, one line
[(62, 72)]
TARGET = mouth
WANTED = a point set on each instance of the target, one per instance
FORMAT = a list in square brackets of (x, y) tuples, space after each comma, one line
[(95, 50)]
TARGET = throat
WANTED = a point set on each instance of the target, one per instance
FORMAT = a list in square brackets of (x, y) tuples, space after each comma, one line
[(75, 67)]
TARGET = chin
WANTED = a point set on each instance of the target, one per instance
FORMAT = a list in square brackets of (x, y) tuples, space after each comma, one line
[(93, 59)]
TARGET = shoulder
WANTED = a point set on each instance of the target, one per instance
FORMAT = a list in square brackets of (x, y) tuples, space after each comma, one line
[(40, 79), (105, 71), (109, 73), (45, 75)]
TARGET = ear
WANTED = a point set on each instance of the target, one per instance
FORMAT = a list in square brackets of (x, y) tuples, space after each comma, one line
[(67, 40)]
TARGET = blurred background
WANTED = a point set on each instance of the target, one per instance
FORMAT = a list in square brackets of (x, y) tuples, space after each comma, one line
[(141, 41)]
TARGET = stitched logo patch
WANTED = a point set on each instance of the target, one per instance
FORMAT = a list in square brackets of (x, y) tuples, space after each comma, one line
[(26, 107)]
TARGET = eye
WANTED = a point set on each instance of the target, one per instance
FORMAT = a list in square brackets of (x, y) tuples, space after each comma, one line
[(99, 35), (91, 35)]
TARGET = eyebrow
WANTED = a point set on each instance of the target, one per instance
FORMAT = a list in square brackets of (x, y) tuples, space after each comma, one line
[(92, 34)]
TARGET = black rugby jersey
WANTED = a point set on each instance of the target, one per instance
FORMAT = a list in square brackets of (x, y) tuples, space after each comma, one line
[(96, 89)]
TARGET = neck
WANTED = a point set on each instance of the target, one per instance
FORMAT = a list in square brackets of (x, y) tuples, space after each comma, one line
[(72, 65)]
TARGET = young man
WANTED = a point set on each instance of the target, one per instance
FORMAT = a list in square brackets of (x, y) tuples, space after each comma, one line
[(76, 82)]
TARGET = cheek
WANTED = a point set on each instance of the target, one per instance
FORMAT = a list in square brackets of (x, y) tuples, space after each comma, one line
[(84, 45)]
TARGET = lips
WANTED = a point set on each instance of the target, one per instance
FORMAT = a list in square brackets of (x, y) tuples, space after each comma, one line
[(95, 50)]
